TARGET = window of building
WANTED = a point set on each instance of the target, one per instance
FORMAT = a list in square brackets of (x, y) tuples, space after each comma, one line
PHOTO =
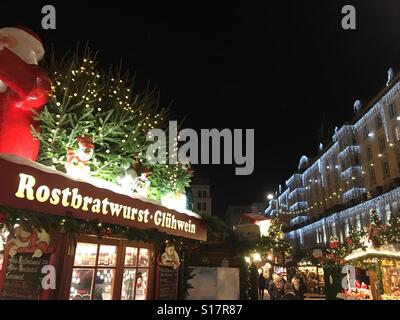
[(397, 133), (204, 206), (136, 273), (94, 271), (199, 194), (382, 144), (95, 268), (392, 110), (204, 194), (372, 176), (199, 206), (378, 121), (385, 168), (365, 132), (369, 154)]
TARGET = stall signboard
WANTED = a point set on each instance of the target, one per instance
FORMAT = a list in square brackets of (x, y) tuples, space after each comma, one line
[(167, 283), (28, 260), (38, 188)]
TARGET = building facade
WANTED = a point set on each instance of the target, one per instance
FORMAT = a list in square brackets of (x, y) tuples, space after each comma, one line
[(201, 195), (358, 170)]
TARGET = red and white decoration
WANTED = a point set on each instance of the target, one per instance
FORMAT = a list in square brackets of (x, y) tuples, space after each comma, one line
[(24, 88)]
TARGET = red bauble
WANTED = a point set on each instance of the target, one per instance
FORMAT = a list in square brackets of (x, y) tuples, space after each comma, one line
[(349, 241)]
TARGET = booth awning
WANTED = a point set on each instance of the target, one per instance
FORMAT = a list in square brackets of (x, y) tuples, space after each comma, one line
[(32, 186), (387, 251)]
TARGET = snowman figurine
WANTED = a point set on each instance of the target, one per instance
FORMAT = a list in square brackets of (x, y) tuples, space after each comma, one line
[(143, 183), (77, 164), (128, 179)]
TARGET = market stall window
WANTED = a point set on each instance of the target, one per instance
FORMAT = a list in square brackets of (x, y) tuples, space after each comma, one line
[(136, 273), (93, 272)]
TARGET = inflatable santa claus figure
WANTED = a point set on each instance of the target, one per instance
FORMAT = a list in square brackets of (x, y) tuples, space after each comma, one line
[(24, 88)]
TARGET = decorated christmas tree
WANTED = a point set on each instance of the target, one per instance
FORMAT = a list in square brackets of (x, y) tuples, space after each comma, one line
[(376, 229), (275, 241), (96, 120), (392, 234)]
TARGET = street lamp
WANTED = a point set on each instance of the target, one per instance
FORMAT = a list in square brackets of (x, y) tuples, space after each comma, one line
[(271, 196)]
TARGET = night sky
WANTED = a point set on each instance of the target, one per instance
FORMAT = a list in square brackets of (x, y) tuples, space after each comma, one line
[(276, 68)]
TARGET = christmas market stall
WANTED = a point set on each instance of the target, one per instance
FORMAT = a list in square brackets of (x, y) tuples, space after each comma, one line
[(383, 268), (313, 275), (44, 207), (89, 208), (366, 265)]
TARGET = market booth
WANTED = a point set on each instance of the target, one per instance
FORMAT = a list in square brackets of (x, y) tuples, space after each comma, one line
[(50, 264), (313, 275), (383, 269)]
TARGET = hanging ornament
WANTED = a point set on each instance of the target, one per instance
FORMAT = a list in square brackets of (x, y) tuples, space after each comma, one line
[(77, 164)]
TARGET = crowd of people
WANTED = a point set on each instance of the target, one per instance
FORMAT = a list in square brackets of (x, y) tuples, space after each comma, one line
[(277, 287)]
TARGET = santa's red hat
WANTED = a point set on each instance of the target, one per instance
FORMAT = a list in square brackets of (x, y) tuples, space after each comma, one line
[(28, 36)]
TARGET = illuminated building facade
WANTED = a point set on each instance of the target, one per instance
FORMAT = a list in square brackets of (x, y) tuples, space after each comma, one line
[(358, 170)]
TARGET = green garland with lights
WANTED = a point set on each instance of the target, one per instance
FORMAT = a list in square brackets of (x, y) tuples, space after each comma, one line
[(73, 227), (106, 106)]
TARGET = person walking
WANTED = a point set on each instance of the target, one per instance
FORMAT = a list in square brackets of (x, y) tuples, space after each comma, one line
[(261, 285), (253, 291)]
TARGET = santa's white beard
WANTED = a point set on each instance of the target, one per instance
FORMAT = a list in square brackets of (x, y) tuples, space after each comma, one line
[(3, 87)]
